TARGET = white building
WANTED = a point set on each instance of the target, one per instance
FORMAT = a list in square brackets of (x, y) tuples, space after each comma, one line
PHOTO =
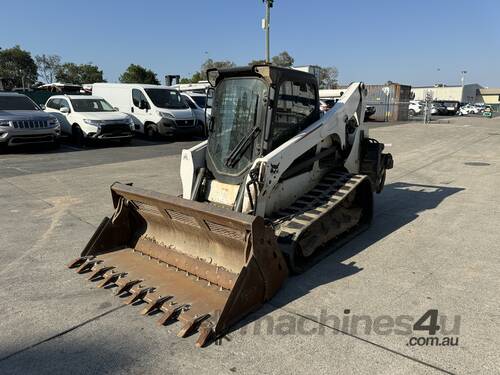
[(464, 94)]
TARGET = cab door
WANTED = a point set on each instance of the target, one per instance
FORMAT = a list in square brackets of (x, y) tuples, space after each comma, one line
[(141, 109)]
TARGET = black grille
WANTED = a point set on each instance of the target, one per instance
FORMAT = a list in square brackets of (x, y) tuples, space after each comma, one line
[(115, 129), (30, 124), (184, 123)]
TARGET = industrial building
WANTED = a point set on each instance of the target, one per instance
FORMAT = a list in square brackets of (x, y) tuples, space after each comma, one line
[(463, 94), (491, 96)]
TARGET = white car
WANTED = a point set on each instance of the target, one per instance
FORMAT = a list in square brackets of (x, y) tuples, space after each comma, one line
[(415, 107), (90, 117), (155, 109), (468, 109), (197, 103)]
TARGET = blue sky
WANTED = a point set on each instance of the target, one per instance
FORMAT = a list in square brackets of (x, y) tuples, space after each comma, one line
[(413, 42)]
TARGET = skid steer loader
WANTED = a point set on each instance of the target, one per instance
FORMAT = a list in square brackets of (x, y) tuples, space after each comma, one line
[(274, 188)]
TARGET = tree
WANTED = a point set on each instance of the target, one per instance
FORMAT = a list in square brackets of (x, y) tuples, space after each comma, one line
[(209, 64), (48, 65), (18, 65), (138, 74), (79, 74), (283, 59), (328, 78)]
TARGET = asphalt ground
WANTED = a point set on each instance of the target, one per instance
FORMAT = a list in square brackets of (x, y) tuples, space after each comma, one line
[(433, 245)]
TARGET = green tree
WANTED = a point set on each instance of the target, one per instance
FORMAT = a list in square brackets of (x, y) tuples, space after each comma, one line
[(18, 65), (201, 75), (79, 74), (138, 74), (48, 65), (328, 78), (283, 59)]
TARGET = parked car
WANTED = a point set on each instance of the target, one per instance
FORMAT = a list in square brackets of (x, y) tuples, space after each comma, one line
[(480, 107), (438, 108), (468, 109), (415, 107), (197, 102), (451, 106), (369, 111), (90, 117), (155, 109), (22, 121), (325, 104)]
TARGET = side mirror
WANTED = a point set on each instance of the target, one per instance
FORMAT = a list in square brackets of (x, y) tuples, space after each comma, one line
[(144, 104), (116, 109), (43, 107), (64, 110), (208, 104)]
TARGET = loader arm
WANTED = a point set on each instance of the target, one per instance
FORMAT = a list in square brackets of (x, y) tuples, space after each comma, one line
[(272, 166)]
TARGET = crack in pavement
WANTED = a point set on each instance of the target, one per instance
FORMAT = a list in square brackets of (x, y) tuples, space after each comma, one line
[(366, 341), (61, 333)]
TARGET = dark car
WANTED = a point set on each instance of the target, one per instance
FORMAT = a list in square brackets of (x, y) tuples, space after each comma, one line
[(452, 107), (439, 107)]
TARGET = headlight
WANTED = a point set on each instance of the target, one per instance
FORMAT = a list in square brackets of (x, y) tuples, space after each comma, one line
[(130, 123), (165, 114), (93, 122), (4, 123), (54, 123)]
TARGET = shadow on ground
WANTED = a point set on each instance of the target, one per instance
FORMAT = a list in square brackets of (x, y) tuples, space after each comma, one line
[(94, 356), (399, 204)]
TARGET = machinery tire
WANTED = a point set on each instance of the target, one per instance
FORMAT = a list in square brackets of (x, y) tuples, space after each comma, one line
[(411, 112), (78, 136)]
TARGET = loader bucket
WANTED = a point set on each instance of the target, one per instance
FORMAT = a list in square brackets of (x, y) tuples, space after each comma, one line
[(203, 265)]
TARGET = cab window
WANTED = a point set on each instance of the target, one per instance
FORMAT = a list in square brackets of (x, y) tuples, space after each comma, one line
[(54, 104), (138, 97), (296, 104), (189, 102), (63, 103)]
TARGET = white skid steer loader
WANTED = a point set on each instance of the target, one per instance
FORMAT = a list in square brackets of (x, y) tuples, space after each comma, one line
[(273, 189)]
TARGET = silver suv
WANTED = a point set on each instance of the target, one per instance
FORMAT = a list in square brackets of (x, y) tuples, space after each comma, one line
[(22, 122)]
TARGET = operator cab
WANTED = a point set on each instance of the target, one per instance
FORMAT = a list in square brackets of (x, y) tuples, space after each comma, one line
[(255, 110)]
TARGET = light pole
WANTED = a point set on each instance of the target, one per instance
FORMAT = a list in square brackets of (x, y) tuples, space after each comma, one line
[(463, 72), (265, 26)]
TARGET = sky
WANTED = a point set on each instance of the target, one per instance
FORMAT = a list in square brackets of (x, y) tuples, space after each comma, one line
[(416, 43)]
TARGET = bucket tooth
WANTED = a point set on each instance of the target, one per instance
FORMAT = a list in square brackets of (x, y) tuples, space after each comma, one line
[(88, 265), (170, 312), (127, 286), (100, 272), (190, 324), (138, 295), (206, 334), (155, 305), (79, 261), (111, 279)]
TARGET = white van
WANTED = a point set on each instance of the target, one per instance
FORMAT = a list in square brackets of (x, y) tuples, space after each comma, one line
[(155, 109)]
